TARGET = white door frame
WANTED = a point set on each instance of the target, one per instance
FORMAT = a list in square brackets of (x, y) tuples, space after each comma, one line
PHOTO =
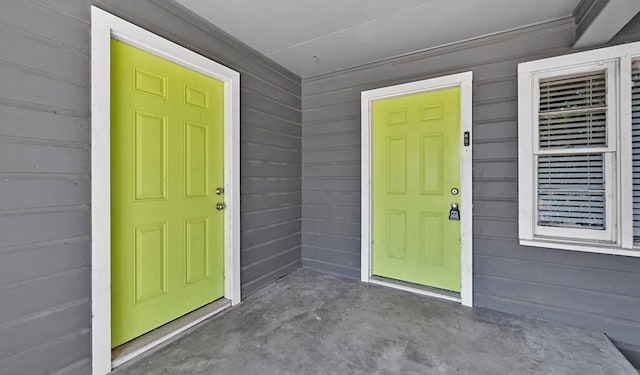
[(462, 80), (105, 26)]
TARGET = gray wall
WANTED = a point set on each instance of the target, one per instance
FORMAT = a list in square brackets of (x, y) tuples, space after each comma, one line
[(45, 170), (595, 291)]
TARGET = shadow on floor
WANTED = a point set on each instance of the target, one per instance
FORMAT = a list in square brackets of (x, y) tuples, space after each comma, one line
[(312, 323)]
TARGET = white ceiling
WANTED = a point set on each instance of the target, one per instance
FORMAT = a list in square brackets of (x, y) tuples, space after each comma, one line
[(346, 33)]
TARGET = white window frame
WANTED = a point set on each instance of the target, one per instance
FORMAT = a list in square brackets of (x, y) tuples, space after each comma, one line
[(617, 239)]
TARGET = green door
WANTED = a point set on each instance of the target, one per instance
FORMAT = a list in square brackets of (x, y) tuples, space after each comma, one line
[(166, 162), (416, 163)]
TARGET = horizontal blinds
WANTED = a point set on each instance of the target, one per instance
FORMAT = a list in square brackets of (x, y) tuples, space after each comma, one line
[(635, 139), (572, 111), (572, 115), (571, 191)]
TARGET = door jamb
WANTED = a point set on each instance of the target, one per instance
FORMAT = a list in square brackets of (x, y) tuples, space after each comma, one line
[(105, 26), (464, 81)]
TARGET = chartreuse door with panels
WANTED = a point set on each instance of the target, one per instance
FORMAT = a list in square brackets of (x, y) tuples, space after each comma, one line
[(167, 148), (415, 183)]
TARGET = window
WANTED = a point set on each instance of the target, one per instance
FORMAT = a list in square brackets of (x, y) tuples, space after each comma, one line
[(579, 151)]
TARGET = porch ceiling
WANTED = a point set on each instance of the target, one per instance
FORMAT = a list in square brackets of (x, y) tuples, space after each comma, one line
[(313, 37)]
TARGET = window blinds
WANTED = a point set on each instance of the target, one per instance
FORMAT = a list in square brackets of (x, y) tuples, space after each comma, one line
[(572, 115), (573, 111), (635, 139)]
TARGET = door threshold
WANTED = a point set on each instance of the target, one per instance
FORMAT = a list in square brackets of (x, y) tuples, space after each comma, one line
[(150, 340), (416, 288)]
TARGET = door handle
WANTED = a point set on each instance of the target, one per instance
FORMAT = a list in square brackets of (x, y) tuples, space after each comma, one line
[(219, 191), (220, 206)]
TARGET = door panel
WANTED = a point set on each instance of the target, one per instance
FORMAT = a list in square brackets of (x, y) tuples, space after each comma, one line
[(166, 160), (416, 162)]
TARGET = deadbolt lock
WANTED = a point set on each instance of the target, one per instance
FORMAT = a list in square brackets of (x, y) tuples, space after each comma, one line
[(220, 206), (454, 212), (219, 191)]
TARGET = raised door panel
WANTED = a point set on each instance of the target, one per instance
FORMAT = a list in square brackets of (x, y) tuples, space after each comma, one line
[(196, 160), (197, 249), (150, 156), (432, 164), (150, 265), (396, 165)]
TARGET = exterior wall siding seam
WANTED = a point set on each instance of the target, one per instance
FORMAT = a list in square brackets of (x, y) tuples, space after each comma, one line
[(56, 77), (43, 313), (8, 102)]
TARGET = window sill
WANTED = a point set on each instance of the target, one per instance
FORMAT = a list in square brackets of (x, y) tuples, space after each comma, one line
[(587, 248)]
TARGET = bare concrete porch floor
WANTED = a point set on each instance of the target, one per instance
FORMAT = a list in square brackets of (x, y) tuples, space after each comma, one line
[(311, 323)]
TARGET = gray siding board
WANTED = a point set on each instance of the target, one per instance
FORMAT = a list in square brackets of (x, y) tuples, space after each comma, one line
[(61, 353), (255, 270), (331, 183), (25, 158), (267, 201), (275, 93), (51, 27), (331, 154), (260, 151), (268, 249), (324, 240), (623, 284), (331, 226), (488, 131), (556, 296), (22, 51), (511, 250), (328, 255), (261, 185), (16, 230), (59, 191), (45, 169), (594, 291), (49, 292), (265, 217), (566, 316), (344, 199), (332, 170), (270, 168), (331, 268), (29, 88), (262, 238), (260, 135), (43, 261), (328, 212), (20, 122), (30, 333), (254, 286), (261, 119)]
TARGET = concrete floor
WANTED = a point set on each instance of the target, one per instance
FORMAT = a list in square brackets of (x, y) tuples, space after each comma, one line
[(311, 323)]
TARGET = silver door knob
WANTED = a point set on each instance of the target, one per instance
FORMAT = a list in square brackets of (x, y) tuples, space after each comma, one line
[(219, 191), (220, 206)]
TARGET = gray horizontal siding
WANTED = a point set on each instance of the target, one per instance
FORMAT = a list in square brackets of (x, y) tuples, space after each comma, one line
[(45, 170), (588, 290)]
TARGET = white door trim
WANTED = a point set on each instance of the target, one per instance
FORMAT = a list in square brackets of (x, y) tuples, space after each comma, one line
[(105, 26), (464, 81)]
